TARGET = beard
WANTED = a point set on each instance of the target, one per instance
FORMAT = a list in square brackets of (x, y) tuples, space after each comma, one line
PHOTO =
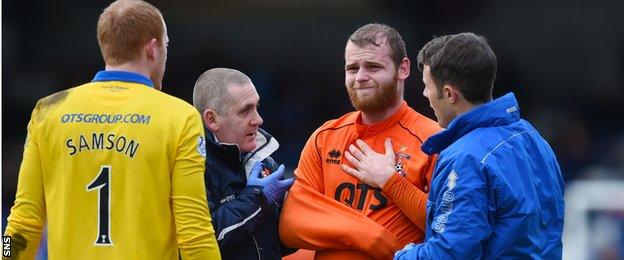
[(385, 97)]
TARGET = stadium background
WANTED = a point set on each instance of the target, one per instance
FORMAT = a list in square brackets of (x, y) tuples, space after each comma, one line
[(563, 59)]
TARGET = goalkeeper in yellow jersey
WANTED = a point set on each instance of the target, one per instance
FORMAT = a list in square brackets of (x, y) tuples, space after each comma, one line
[(115, 167)]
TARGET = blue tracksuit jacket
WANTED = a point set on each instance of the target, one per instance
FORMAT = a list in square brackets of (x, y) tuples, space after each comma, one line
[(245, 226), (497, 190)]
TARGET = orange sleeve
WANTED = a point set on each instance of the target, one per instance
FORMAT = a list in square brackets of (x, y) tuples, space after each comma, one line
[(411, 200), (311, 220), (309, 169)]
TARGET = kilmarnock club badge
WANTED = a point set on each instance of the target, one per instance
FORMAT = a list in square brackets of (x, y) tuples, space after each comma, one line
[(401, 158)]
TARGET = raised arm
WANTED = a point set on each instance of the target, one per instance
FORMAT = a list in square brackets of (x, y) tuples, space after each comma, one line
[(238, 218), (311, 220), (378, 170)]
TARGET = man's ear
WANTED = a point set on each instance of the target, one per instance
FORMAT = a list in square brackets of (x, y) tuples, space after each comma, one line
[(451, 94), (151, 49), (404, 69), (210, 120)]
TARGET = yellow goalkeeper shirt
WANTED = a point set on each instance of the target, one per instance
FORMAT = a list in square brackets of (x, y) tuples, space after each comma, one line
[(116, 169)]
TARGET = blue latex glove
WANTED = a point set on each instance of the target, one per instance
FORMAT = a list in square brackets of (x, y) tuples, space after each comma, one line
[(272, 187)]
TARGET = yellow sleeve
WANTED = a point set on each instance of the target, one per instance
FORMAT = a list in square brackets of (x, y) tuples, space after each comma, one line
[(195, 233), (29, 211)]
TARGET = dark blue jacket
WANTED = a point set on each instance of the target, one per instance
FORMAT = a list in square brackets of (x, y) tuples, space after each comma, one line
[(497, 190), (245, 226)]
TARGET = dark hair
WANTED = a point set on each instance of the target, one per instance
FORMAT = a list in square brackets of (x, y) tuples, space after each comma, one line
[(463, 60), (375, 33)]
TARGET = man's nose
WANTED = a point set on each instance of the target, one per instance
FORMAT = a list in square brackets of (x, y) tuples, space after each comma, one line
[(361, 75), (257, 119)]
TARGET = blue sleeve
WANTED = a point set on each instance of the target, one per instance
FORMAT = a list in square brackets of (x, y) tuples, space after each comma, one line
[(236, 219), (457, 223)]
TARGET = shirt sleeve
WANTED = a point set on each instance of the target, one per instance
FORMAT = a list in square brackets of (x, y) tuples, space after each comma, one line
[(459, 223), (28, 215), (195, 233), (411, 200), (236, 219), (311, 220)]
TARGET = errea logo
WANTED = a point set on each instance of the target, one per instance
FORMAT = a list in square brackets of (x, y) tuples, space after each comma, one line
[(451, 180), (446, 205), (333, 157)]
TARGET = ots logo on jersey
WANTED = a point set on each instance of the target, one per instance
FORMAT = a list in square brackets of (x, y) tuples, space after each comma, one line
[(346, 193), (201, 146), (333, 157)]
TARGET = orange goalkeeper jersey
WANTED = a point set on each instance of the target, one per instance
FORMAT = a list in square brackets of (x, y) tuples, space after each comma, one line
[(332, 212)]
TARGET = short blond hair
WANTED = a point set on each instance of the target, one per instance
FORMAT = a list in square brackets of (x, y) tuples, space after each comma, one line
[(125, 27)]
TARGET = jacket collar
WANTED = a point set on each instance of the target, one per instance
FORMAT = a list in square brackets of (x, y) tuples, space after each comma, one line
[(225, 151), (109, 75), (501, 111), (265, 146)]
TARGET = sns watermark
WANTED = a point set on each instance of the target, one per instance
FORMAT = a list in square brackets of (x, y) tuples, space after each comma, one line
[(6, 246)]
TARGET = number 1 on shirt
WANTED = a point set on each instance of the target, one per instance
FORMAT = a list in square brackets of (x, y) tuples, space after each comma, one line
[(102, 183)]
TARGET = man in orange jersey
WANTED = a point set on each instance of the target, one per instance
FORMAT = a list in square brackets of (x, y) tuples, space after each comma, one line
[(330, 211)]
